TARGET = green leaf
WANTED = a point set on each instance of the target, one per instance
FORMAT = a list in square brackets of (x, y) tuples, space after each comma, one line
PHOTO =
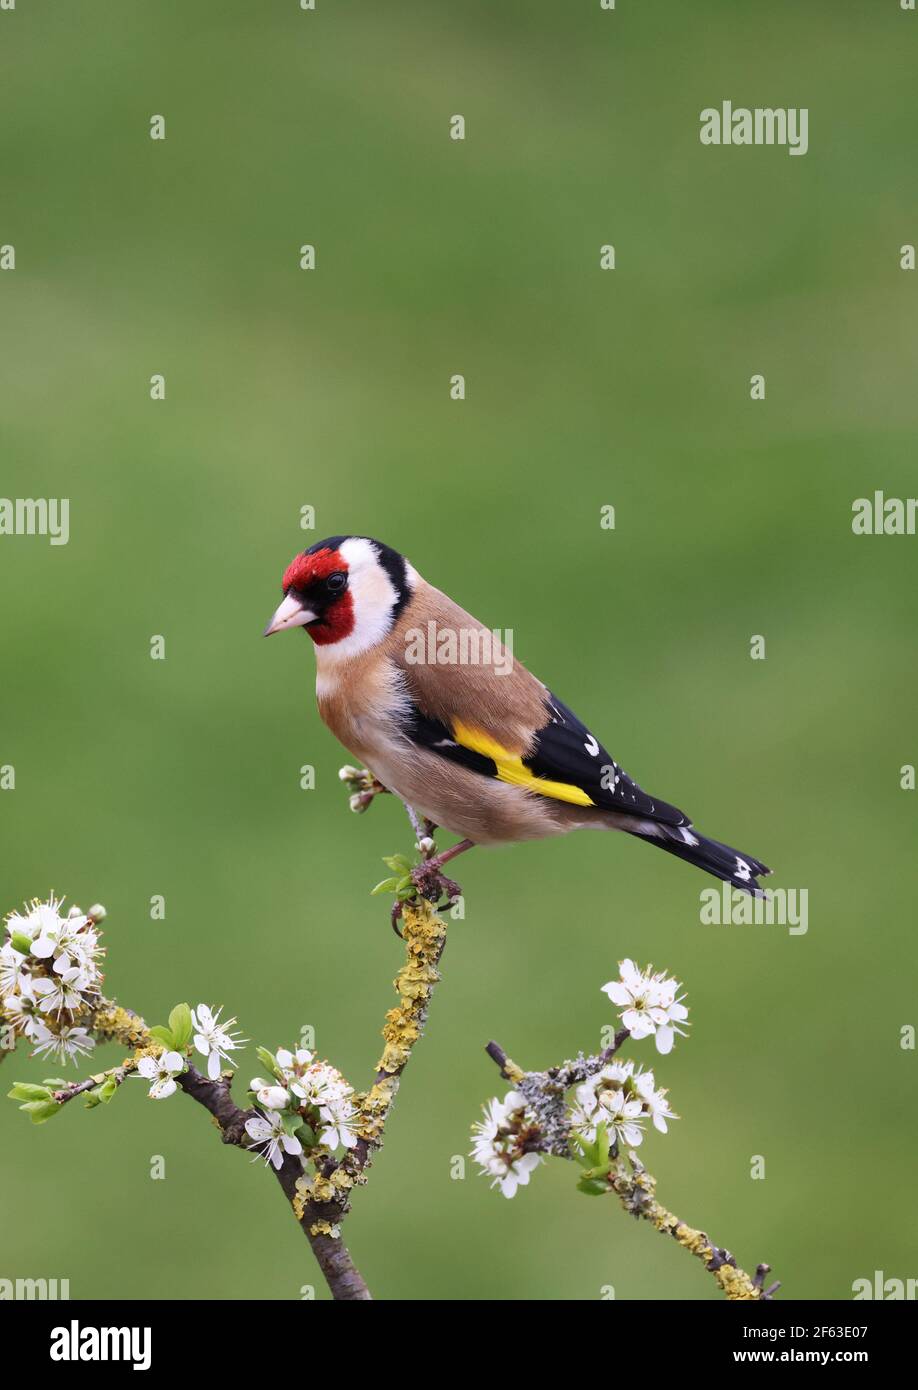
[(20, 942), (585, 1151), (388, 885), (181, 1026), (55, 1082), (306, 1135), (602, 1144), (291, 1122), (107, 1089), (41, 1110), (593, 1187), (269, 1060), (405, 895), (93, 1098), (162, 1034), (406, 882), (24, 1090), (397, 863)]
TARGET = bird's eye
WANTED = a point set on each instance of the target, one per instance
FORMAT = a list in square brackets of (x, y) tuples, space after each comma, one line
[(335, 582)]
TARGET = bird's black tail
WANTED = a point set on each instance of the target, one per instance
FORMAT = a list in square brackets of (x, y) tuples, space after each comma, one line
[(729, 865)]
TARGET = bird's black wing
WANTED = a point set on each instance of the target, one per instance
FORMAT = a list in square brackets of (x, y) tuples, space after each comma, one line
[(565, 762), (566, 751)]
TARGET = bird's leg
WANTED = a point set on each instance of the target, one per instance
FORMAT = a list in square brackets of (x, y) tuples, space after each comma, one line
[(429, 880), (423, 831)]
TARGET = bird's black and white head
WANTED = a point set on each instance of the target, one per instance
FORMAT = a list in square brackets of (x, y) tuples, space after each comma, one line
[(346, 591)]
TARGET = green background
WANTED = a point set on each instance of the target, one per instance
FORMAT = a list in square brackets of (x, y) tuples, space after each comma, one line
[(631, 388)]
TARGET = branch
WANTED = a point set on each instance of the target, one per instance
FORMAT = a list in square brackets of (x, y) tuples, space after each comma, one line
[(321, 1202), (325, 1199), (636, 1192), (319, 1194), (545, 1092)]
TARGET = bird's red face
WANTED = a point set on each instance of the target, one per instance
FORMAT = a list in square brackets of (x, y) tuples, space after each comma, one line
[(346, 592), (316, 597)]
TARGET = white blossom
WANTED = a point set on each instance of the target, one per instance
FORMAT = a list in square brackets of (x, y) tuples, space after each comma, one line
[(499, 1140), (607, 1098), (60, 991), (320, 1084), (271, 1139), (67, 1044), (49, 976), (336, 1117), (162, 1071), (213, 1039), (655, 1101), (21, 1006), (649, 1004), (11, 964), (623, 1099)]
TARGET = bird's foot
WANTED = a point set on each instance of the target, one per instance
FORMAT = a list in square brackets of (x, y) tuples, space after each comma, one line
[(432, 883)]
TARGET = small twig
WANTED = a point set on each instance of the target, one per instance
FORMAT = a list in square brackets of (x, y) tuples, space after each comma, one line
[(545, 1092), (636, 1192), (77, 1088), (364, 787)]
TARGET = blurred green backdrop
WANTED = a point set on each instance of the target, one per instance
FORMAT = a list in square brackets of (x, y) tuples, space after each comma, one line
[(585, 388)]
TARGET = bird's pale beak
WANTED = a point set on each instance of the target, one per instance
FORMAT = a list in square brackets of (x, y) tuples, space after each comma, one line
[(291, 613)]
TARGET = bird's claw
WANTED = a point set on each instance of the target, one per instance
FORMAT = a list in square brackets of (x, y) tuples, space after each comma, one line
[(431, 883)]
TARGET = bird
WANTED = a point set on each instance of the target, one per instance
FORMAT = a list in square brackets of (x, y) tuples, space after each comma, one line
[(478, 746)]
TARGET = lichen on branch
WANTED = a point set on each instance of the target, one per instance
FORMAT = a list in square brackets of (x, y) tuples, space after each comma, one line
[(594, 1110), (316, 1134)]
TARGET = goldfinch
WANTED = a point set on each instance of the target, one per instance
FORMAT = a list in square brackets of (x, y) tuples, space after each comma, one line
[(445, 717)]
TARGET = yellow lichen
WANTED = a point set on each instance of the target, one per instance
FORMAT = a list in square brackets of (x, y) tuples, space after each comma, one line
[(325, 1228), (113, 1023), (636, 1194), (424, 934)]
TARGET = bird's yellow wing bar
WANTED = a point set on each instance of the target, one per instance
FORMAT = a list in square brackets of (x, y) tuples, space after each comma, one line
[(510, 767)]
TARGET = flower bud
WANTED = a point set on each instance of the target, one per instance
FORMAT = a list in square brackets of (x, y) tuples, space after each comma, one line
[(272, 1097)]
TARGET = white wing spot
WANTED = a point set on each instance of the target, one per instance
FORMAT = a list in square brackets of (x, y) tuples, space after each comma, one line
[(591, 746), (742, 869)]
